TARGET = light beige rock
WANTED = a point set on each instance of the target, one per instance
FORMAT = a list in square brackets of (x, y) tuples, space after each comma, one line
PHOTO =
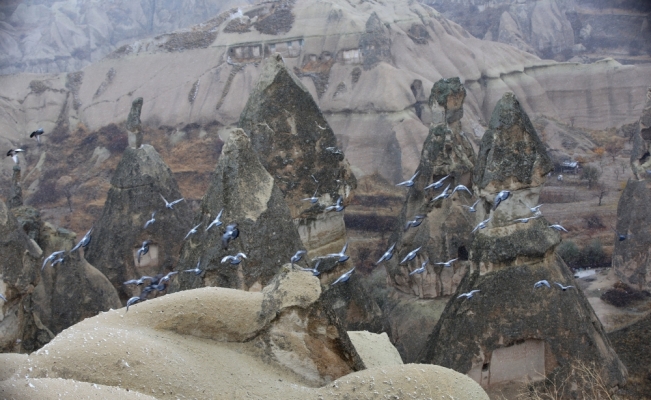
[(375, 349)]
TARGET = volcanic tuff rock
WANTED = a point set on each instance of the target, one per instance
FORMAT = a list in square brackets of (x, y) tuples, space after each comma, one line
[(139, 181), (16, 192), (249, 197), (640, 156), (20, 329), (134, 125), (510, 331), (292, 138)]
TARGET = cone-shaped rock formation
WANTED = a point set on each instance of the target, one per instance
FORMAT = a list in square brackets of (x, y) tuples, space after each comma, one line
[(250, 198), (299, 149), (139, 181), (632, 253), (509, 330)]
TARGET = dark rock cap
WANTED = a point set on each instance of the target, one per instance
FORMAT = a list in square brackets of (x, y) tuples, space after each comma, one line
[(511, 155), (449, 94)]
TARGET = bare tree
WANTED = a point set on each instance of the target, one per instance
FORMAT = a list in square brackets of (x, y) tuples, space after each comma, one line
[(603, 191), (591, 174)]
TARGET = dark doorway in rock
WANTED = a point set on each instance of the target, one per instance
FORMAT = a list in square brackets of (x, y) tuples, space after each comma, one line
[(462, 253)]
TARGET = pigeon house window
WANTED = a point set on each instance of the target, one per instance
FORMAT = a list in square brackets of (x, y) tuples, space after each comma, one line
[(147, 260)]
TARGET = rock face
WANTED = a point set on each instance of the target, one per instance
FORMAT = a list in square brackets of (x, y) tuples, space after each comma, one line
[(20, 328), (631, 257), (16, 192), (139, 181), (509, 331), (299, 149), (249, 197), (134, 125)]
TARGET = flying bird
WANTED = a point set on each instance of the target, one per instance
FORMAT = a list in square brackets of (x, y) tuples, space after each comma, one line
[(140, 281), (344, 277), (437, 184), (481, 225), (540, 284), (192, 231), (525, 220), (297, 256), (196, 269), (410, 181), (557, 227), (620, 236), (501, 196), (423, 268), (564, 288), (334, 150), (315, 271), (231, 233), (151, 221), (469, 294), (2, 296), (51, 258), (84, 242), (411, 255), (342, 254), (13, 153), (171, 205), (536, 209), (133, 301), (459, 188), (447, 264), (59, 260), (314, 198), (337, 206), (167, 277), (37, 134), (216, 221), (444, 194), (144, 249), (387, 254), (234, 260), (471, 208), (418, 219)]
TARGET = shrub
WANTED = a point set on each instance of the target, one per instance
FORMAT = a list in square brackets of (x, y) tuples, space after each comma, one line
[(591, 174), (569, 252)]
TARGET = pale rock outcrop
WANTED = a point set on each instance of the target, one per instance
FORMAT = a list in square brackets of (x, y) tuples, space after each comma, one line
[(375, 349), (20, 329), (509, 331), (139, 181), (159, 347), (640, 156), (134, 125), (299, 149), (249, 196)]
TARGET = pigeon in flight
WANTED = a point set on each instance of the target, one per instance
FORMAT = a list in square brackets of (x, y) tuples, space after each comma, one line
[(444, 194), (501, 196), (540, 284), (196, 269), (133, 301), (337, 206), (620, 236), (234, 260), (557, 227), (59, 260), (418, 219), (344, 277), (471, 208), (387, 254), (411, 255), (334, 150), (481, 225), (37, 134), (423, 268), (2, 296), (216, 221), (192, 231), (564, 288), (437, 184), (144, 249), (231, 233), (84, 242), (315, 271), (525, 220), (171, 205), (140, 281), (152, 220), (447, 264), (297, 256), (167, 277), (314, 198), (469, 294), (459, 188), (410, 182), (342, 254), (13, 153), (536, 209), (51, 258)]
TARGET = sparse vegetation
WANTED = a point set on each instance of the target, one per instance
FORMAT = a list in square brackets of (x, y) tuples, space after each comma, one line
[(591, 174), (590, 256)]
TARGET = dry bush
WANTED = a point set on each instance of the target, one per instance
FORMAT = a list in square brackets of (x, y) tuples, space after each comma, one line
[(622, 295)]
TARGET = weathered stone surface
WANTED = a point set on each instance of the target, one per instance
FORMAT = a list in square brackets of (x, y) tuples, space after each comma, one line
[(449, 94), (16, 191), (632, 257), (374, 349), (134, 125), (139, 181), (20, 329), (291, 137), (632, 346), (250, 197), (640, 157)]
